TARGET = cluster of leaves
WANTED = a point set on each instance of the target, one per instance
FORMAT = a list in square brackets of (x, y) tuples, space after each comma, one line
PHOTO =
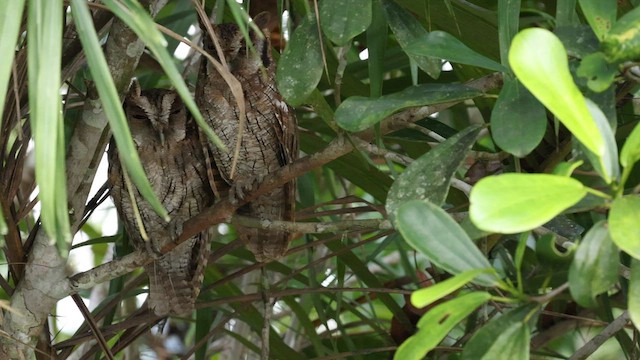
[(501, 250)]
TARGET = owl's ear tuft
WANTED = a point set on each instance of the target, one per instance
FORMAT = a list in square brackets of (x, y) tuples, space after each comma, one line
[(262, 20), (134, 88)]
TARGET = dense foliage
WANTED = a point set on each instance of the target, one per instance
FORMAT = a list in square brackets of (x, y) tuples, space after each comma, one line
[(466, 187)]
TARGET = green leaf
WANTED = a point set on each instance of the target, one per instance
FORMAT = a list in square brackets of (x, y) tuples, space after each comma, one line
[(508, 20), (426, 296), (624, 224), (630, 152), (600, 15), (594, 269), (539, 60), (548, 253), (513, 203), (440, 44), (607, 164), (10, 18), (430, 230), (518, 120), (633, 298), (358, 113), (437, 323), (429, 176), (408, 30), (111, 103), (598, 71), (623, 40), (44, 37), (300, 66), (341, 26), (506, 337)]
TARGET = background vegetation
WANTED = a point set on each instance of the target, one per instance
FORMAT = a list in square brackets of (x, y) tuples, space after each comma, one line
[(466, 190)]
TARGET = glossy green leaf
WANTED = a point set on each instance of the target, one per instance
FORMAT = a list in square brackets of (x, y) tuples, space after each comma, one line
[(607, 164), (548, 253), (111, 101), (430, 230), (630, 152), (300, 66), (358, 113), (139, 20), (408, 30), (598, 71), (600, 14), (623, 40), (508, 20), (426, 296), (633, 298), (440, 44), (429, 176), (624, 224), (437, 323), (513, 203), (539, 60), (518, 120), (10, 18), (44, 38), (594, 269), (566, 168), (506, 337), (341, 26)]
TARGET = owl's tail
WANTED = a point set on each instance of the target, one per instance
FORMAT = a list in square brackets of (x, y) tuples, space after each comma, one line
[(175, 278)]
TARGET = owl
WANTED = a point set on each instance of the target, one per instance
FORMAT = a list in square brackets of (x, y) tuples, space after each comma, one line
[(269, 140), (166, 138)]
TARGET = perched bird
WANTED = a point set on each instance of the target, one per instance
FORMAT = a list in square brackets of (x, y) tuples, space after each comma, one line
[(269, 140), (166, 138)]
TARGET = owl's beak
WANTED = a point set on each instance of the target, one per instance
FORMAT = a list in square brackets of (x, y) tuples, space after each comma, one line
[(161, 134)]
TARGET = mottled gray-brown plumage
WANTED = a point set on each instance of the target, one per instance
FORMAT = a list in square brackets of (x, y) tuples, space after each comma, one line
[(166, 138), (269, 140)]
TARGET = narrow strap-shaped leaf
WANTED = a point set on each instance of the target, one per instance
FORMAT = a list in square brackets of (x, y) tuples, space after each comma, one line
[(111, 102), (135, 16), (44, 60), (10, 17)]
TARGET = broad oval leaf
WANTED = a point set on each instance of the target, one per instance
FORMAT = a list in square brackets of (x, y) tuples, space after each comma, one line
[(440, 44), (518, 120), (623, 40), (358, 113), (437, 323), (506, 337), (429, 176), (605, 165), (408, 30), (513, 203), (426, 296), (300, 66), (600, 14), (633, 298), (599, 73), (624, 224), (539, 60), (630, 153), (594, 269), (341, 26), (430, 230)]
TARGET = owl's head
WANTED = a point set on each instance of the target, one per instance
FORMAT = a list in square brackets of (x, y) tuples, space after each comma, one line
[(155, 116), (239, 56)]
